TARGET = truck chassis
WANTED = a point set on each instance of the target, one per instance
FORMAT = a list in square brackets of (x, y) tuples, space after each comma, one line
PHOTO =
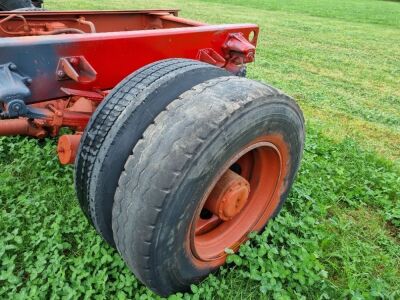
[(177, 156)]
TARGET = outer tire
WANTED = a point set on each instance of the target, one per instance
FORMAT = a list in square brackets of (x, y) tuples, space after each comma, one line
[(174, 165), (7, 5), (119, 123)]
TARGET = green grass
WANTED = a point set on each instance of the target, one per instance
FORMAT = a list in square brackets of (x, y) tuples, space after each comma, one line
[(338, 235)]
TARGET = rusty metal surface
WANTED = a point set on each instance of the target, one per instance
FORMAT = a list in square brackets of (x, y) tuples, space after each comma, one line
[(67, 148), (61, 13), (88, 21), (21, 126)]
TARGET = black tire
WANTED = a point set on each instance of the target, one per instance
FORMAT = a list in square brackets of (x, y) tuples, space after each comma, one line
[(30, 9), (119, 123), (173, 165), (37, 3), (6, 5)]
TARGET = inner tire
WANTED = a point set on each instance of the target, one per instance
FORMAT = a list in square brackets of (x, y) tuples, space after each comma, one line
[(30, 9), (228, 138), (8, 5), (117, 125), (33, 8)]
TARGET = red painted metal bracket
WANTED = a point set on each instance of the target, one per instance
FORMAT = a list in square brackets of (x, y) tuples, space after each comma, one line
[(212, 57), (92, 95), (76, 68)]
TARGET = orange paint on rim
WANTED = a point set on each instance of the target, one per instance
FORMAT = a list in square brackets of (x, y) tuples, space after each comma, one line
[(261, 164)]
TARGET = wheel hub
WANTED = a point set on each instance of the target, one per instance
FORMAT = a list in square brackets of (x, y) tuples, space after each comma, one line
[(229, 196)]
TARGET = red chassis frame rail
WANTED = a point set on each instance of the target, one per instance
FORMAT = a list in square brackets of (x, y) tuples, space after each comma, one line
[(68, 75)]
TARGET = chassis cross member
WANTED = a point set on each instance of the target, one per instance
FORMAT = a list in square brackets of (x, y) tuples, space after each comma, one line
[(177, 156)]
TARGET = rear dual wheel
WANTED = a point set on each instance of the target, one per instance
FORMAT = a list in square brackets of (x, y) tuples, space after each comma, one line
[(214, 164)]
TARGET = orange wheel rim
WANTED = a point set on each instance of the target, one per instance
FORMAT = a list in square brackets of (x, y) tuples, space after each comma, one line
[(241, 199)]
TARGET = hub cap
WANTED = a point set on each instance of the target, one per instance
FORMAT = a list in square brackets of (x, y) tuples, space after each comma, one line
[(229, 196)]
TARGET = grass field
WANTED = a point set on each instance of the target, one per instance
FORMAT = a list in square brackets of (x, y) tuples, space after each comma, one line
[(338, 235)]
